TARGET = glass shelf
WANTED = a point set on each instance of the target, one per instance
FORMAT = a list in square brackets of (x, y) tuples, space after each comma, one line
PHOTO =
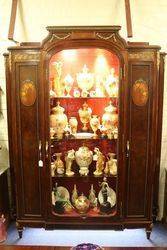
[(54, 140), (84, 177), (90, 213), (83, 98)]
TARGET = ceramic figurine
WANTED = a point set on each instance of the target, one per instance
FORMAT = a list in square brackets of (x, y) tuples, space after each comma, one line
[(105, 206), (67, 130), (73, 123), (113, 167), (59, 165), (74, 194), (84, 158), (69, 158), (51, 92), (58, 87), (92, 197), (85, 115), (53, 169), (111, 84), (109, 133), (103, 130), (92, 93), (58, 120), (95, 123), (100, 159), (82, 204), (111, 164)]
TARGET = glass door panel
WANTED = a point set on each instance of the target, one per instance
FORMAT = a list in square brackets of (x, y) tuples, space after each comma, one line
[(84, 118)]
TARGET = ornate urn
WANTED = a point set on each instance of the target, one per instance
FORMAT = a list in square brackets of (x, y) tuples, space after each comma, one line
[(110, 117), (82, 204), (85, 115), (85, 81), (58, 120), (84, 157)]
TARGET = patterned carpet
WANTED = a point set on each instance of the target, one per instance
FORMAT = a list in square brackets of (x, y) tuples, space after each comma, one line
[(130, 238)]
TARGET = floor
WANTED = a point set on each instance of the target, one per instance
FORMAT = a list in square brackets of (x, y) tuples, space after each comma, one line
[(126, 238)]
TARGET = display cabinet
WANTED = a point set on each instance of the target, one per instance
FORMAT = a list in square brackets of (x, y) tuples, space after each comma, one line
[(83, 126)]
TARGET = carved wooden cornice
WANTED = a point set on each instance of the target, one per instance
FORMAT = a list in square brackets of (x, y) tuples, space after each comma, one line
[(105, 33)]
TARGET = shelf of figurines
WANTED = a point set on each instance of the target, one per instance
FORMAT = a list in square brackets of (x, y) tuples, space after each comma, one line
[(94, 120), (91, 203), (83, 162), (87, 178), (55, 99)]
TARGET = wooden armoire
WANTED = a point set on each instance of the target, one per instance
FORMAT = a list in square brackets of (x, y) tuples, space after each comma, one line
[(93, 70)]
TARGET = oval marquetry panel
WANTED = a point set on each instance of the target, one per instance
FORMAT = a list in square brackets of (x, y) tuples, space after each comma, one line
[(140, 93), (28, 93)]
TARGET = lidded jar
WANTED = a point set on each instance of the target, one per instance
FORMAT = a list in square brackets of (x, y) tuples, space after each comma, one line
[(110, 117), (58, 120)]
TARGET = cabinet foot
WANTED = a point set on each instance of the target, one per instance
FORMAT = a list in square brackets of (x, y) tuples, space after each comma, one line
[(19, 230), (149, 230)]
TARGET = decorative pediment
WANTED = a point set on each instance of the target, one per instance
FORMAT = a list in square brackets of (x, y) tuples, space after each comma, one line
[(104, 33)]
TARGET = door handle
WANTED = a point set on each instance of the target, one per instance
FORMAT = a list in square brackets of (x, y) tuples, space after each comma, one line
[(40, 162), (127, 149), (46, 148)]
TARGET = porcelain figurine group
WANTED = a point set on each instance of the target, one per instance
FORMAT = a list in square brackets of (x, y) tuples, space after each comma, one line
[(103, 203), (59, 123), (84, 157), (89, 84)]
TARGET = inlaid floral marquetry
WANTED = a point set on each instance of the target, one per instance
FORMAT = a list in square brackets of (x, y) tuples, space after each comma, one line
[(28, 93), (26, 57), (145, 56), (140, 92)]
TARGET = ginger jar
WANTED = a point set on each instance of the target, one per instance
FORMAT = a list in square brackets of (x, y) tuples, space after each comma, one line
[(58, 120), (110, 117)]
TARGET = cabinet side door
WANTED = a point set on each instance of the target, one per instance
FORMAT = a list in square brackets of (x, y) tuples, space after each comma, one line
[(28, 174), (141, 136)]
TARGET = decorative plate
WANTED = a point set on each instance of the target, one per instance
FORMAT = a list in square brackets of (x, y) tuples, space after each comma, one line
[(61, 194), (83, 135), (111, 197)]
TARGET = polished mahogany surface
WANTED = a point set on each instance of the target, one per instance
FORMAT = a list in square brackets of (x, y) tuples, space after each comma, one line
[(139, 67)]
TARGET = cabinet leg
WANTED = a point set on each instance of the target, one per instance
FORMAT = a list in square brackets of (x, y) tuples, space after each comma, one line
[(149, 230), (19, 230)]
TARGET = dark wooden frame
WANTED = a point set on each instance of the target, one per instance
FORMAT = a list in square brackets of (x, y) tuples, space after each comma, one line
[(140, 55)]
